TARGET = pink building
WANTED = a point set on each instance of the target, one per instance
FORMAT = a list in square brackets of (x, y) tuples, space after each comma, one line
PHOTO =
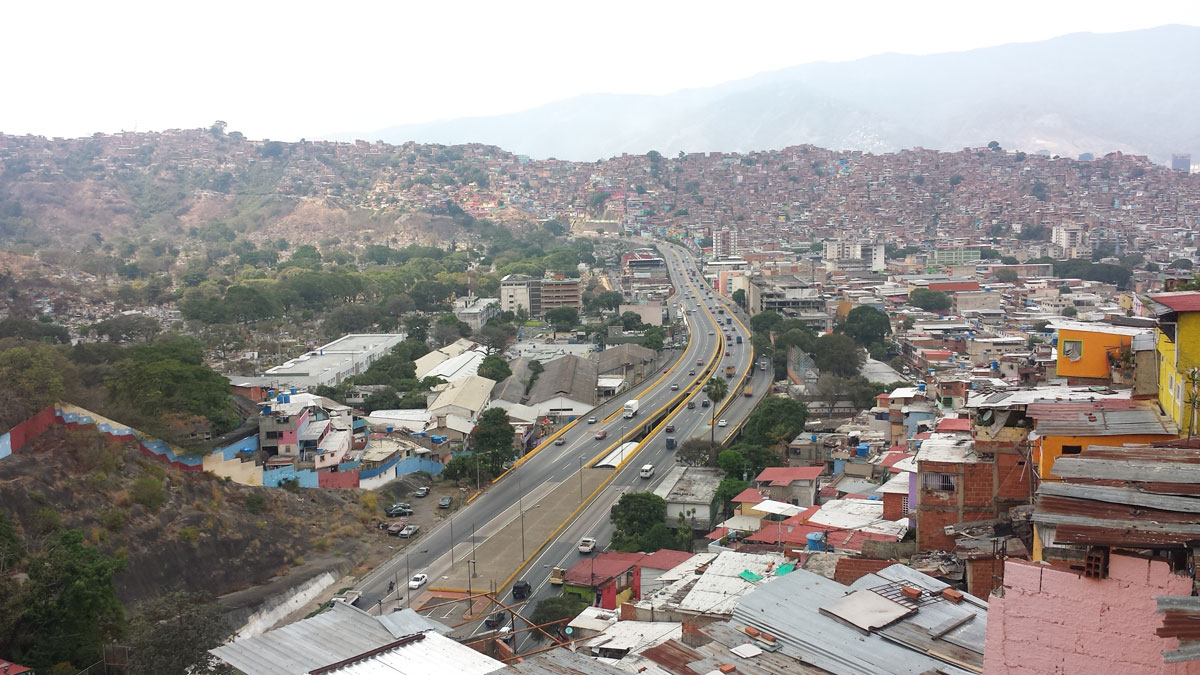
[(1053, 620)]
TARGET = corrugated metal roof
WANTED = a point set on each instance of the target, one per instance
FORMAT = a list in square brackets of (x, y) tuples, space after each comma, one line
[(1100, 418), (329, 637), (787, 607), (562, 662), (1083, 466)]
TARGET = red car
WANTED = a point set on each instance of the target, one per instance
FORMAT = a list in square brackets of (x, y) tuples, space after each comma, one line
[(601, 435), (699, 362)]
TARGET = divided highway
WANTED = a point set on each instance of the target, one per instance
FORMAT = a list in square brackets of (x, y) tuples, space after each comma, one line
[(662, 401)]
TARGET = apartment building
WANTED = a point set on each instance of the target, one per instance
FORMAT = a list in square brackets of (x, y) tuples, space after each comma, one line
[(856, 254), (776, 293), (535, 296)]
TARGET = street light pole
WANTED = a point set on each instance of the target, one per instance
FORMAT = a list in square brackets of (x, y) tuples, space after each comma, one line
[(581, 479)]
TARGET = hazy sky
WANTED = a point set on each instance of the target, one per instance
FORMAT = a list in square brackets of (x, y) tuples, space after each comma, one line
[(307, 69)]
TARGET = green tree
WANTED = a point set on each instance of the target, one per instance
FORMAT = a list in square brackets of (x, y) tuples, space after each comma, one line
[(494, 368), (729, 488), (696, 452), (653, 338), (932, 301), (562, 318), (34, 377), (609, 300), (1182, 264), (837, 354), (127, 327), (866, 325), (1070, 311), (558, 609), (774, 419), (716, 389), (492, 439), (631, 321), (171, 635), (739, 298), (1006, 276), (764, 322), (69, 609), (634, 515), (384, 399)]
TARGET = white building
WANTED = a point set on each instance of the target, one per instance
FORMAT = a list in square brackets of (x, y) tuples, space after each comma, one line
[(339, 360)]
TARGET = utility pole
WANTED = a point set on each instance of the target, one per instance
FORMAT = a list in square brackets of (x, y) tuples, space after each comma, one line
[(581, 479)]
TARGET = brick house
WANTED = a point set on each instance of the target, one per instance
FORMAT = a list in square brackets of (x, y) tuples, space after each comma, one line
[(792, 484)]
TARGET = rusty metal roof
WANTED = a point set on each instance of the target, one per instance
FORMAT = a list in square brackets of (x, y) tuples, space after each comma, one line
[(1111, 417)]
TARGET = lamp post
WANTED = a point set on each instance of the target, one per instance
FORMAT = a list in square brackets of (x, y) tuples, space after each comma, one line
[(581, 479)]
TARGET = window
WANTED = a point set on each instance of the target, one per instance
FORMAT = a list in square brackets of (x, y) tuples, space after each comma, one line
[(1072, 449), (1073, 349), (944, 482)]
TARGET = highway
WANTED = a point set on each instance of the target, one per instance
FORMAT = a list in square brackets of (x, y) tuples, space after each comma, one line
[(662, 401)]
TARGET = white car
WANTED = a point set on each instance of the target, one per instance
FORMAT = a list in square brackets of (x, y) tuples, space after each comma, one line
[(418, 581), (587, 545), (721, 422)]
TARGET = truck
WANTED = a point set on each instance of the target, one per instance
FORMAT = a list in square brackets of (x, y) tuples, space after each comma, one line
[(763, 364), (748, 391), (728, 321), (728, 373), (670, 442), (720, 310), (739, 339), (631, 408), (556, 576)]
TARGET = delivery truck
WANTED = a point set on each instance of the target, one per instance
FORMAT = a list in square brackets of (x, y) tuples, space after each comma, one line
[(631, 408), (728, 373)]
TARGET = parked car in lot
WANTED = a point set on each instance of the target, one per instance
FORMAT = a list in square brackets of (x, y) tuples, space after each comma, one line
[(418, 581), (397, 527), (397, 510), (445, 502), (410, 531), (587, 545), (422, 492), (601, 435)]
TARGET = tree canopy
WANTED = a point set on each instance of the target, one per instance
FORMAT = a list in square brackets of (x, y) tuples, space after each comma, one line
[(837, 354), (866, 325), (932, 301)]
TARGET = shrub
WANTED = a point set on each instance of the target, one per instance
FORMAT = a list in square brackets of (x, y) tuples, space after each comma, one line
[(46, 520), (291, 485), (113, 519), (189, 533), (148, 491), (256, 502)]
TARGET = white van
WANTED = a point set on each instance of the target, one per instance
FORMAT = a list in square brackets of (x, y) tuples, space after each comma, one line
[(647, 471)]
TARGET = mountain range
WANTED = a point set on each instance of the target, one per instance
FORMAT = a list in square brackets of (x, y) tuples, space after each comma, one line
[(1136, 91)]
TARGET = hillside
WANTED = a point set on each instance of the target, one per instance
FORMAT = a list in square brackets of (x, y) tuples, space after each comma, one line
[(1132, 91), (207, 536)]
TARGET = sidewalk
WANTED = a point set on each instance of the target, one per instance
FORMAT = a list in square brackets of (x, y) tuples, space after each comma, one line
[(498, 558)]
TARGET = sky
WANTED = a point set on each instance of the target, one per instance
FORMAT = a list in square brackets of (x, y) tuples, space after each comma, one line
[(302, 69)]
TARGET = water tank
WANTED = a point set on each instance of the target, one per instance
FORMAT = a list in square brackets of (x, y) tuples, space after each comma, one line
[(862, 449), (816, 541), (287, 398), (920, 386), (995, 365), (389, 429), (292, 390), (270, 393), (813, 438), (279, 398)]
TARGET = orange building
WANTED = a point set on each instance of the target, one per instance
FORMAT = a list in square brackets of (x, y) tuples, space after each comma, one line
[(1087, 352), (1070, 427)]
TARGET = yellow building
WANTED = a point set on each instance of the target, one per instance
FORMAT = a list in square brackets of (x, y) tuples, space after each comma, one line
[(1178, 355)]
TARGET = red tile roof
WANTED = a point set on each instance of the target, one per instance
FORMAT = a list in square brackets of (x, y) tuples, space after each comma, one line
[(782, 476), (665, 559), (953, 286), (10, 668), (893, 456), (604, 566), (749, 496), (954, 424), (1185, 301)]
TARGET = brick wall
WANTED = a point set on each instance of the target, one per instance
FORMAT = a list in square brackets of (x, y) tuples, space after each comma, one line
[(1053, 621), (973, 498), (984, 575), (893, 505), (850, 570)]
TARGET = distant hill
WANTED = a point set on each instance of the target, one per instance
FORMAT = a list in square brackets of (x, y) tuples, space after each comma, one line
[(1136, 91)]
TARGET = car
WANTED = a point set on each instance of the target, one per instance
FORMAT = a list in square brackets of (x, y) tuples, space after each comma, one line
[(666, 371), (560, 440), (726, 353), (591, 420), (587, 545), (496, 620), (397, 510), (699, 362), (674, 387), (710, 332), (704, 403), (521, 590), (670, 428), (601, 435), (445, 502), (409, 531), (691, 405), (418, 580), (691, 372), (721, 422), (397, 527), (422, 492)]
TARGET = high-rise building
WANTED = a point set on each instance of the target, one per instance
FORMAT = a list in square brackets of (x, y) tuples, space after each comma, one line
[(855, 253), (725, 243), (1182, 162)]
